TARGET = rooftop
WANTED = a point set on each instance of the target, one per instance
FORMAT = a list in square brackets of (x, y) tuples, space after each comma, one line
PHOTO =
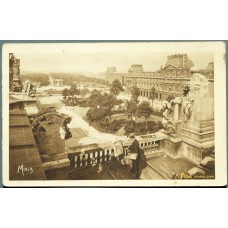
[(179, 61), (210, 66)]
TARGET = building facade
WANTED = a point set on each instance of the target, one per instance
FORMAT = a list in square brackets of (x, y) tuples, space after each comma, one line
[(145, 81), (55, 82), (111, 74), (169, 80)]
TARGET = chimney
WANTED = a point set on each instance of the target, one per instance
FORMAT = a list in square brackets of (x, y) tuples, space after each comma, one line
[(184, 60)]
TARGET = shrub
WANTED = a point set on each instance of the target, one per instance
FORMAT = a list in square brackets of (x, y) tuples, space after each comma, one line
[(140, 129), (115, 125), (157, 113)]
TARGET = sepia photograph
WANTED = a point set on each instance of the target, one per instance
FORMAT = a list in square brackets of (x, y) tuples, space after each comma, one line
[(114, 114)]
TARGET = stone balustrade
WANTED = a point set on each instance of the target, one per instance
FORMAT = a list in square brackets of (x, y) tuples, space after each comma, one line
[(93, 155)]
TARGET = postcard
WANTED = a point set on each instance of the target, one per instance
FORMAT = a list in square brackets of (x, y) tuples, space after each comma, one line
[(74, 114)]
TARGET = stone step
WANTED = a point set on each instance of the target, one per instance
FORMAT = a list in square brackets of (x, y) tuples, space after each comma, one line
[(154, 154)]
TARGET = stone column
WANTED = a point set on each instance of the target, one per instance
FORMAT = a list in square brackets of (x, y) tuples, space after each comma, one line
[(176, 112)]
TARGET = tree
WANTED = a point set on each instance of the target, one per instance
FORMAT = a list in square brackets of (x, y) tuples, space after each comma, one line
[(153, 95), (135, 92), (132, 109), (65, 93), (108, 101), (116, 87), (95, 98), (101, 106), (84, 92), (144, 109), (41, 78), (74, 91)]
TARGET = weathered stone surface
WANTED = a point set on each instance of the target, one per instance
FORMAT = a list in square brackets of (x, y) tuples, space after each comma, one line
[(24, 158)]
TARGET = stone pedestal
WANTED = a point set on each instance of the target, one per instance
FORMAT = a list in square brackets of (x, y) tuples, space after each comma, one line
[(194, 153), (178, 127), (198, 132), (193, 121), (171, 145)]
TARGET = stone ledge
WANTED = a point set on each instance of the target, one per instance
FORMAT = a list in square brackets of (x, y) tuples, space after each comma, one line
[(202, 145), (173, 138), (53, 157), (56, 164), (198, 133)]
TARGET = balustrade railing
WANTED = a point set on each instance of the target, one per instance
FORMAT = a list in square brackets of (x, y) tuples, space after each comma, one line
[(89, 156)]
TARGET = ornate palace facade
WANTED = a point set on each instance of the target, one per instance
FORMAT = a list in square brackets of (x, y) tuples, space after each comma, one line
[(168, 81)]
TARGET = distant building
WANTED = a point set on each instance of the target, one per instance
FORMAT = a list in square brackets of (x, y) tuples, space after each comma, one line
[(169, 80), (175, 74), (55, 82), (111, 74), (145, 81), (209, 72)]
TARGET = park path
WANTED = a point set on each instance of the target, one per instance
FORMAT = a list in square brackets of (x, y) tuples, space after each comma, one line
[(93, 135)]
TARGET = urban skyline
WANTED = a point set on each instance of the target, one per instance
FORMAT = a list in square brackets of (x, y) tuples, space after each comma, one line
[(81, 63), (83, 58)]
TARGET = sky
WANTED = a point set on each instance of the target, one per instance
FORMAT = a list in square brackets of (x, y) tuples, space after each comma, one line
[(96, 57)]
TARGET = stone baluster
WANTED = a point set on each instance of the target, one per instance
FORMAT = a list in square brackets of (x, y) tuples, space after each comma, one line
[(102, 156), (89, 159), (108, 155), (77, 161), (83, 160), (97, 158), (105, 155), (112, 152), (72, 161)]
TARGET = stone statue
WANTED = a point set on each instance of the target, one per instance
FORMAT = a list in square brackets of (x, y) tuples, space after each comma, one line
[(167, 122), (187, 103), (30, 89), (171, 115)]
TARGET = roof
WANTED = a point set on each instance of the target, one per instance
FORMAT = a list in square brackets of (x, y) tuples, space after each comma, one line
[(111, 70), (136, 68), (179, 61), (210, 66)]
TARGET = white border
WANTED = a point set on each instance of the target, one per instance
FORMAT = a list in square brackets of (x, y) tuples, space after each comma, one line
[(218, 48)]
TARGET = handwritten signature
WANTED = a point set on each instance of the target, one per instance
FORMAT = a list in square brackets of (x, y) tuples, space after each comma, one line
[(22, 169)]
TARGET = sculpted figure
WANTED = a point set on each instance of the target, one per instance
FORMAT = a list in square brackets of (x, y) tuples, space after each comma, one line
[(167, 117), (187, 103), (30, 89)]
